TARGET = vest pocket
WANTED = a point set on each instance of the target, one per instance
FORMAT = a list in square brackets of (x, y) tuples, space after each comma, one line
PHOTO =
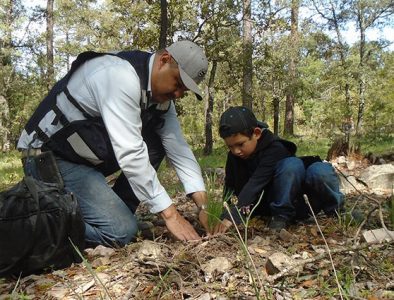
[(86, 142)]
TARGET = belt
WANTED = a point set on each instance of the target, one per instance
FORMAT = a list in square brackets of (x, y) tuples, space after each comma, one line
[(31, 152)]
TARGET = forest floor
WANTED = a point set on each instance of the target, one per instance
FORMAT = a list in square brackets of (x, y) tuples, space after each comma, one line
[(332, 264)]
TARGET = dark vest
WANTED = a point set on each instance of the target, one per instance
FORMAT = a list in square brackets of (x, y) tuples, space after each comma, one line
[(87, 141)]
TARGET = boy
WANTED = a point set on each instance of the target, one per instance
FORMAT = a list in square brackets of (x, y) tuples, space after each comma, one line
[(260, 161)]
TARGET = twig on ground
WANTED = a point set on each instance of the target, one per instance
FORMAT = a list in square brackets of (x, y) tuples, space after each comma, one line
[(91, 271), (363, 223), (328, 248), (282, 273), (381, 218), (378, 203), (245, 249)]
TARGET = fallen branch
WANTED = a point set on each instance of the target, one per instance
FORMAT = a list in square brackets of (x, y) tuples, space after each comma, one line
[(325, 242), (378, 203), (363, 223), (281, 274)]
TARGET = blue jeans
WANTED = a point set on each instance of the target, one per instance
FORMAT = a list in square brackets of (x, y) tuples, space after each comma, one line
[(108, 219), (284, 195), (108, 212)]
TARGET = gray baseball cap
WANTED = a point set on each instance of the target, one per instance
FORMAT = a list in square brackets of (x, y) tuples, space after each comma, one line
[(192, 63)]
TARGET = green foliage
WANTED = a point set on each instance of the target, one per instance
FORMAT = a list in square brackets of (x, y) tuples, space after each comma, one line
[(217, 159), (10, 169), (214, 207), (307, 145), (216, 25), (167, 176), (377, 144)]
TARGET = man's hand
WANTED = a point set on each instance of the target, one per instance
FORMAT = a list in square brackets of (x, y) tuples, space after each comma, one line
[(178, 225), (222, 227), (203, 217), (200, 198)]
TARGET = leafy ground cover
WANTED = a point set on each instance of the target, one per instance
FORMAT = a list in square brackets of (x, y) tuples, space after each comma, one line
[(332, 264)]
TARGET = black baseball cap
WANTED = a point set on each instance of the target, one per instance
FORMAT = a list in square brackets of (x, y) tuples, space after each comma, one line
[(236, 119)]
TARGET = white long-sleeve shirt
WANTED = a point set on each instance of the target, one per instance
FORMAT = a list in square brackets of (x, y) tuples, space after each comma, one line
[(109, 86)]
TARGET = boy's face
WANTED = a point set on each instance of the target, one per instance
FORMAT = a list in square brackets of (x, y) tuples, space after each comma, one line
[(241, 145)]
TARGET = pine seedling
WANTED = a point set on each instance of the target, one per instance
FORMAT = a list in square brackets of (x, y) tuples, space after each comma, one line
[(251, 266), (214, 206)]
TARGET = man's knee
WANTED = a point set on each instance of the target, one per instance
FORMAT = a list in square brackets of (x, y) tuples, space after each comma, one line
[(113, 234), (124, 232)]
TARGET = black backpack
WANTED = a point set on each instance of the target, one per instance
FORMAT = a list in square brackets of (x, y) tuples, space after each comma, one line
[(37, 222)]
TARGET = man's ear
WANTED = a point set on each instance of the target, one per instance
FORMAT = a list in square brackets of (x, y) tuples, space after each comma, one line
[(164, 58), (257, 132)]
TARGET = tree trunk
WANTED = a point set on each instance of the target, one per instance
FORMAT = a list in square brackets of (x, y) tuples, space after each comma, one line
[(209, 110), (348, 113), (275, 103), (6, 43), (361, 103), (163, 24), (49, 42), (263, 108), (4, 120), (293, 58), (7, 73), (247, 98), (288, 129)]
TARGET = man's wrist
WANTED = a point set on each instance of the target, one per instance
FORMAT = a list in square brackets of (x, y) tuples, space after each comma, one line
[(200, 199), (169, 212)]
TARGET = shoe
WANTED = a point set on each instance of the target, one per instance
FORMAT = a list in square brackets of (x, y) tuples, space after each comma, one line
[(278, 223), (146, 230)]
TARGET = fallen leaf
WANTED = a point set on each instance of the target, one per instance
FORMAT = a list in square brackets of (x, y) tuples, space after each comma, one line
[(313, 231), (308, 283), (148, 289)]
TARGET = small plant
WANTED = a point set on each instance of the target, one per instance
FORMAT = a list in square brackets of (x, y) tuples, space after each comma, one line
[(163, 284), (345, 220), (91, 271), (214, 206), (250, 266)]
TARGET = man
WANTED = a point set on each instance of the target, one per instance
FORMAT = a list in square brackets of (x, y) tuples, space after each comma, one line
[(116, 112)]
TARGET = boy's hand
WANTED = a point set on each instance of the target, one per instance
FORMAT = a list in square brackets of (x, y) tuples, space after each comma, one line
[(178, 225), (222, 227)]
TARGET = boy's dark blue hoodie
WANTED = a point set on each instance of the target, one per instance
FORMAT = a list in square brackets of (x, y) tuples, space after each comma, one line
[(247, 178)]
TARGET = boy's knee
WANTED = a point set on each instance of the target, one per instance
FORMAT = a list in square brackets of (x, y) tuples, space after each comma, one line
[(320, 171), (291, 166)]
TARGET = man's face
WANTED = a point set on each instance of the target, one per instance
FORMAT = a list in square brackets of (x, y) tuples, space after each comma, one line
[(241, 145), (166, 80)]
